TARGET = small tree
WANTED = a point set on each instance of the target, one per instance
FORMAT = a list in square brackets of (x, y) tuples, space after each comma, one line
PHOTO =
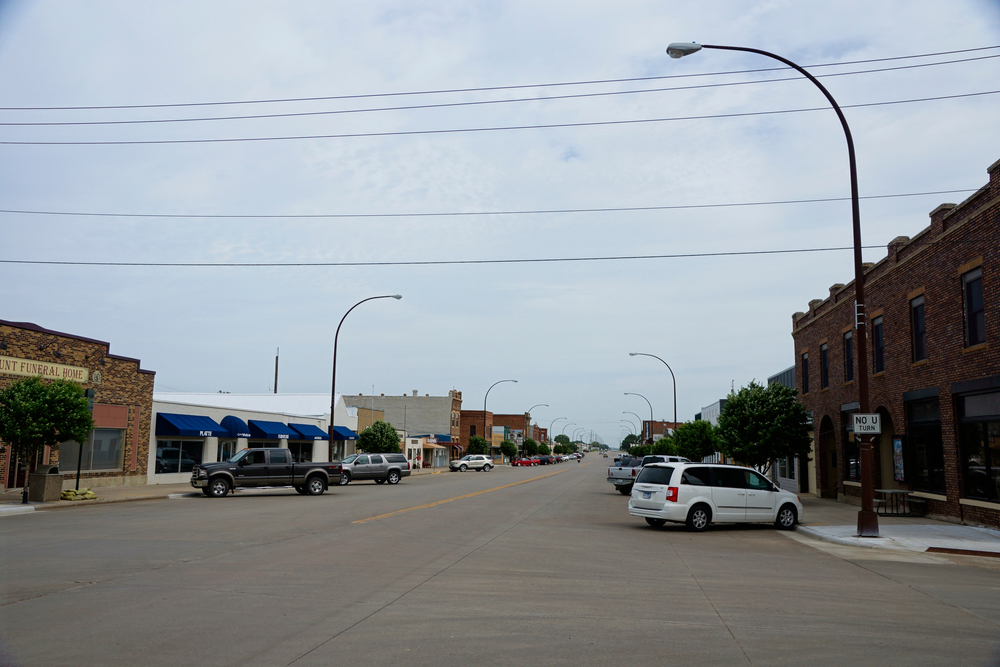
[(477, 445), (543, 449), (379, 438), (663, 446), (559, 449), (530, 447), (761, 424), (571, 448), (696, 440), (638, 451), (630, 439), (508, 449), (562, 439), (36, 414)]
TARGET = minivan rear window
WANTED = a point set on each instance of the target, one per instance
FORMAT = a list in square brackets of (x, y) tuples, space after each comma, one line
[(655, 475)]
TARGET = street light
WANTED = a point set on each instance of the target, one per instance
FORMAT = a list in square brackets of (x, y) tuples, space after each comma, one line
[(867, 518), (565, 425), (489, 440), (630, 393), (528, 425), (549, 432), (631, 426), (643, 354), (336, 336)]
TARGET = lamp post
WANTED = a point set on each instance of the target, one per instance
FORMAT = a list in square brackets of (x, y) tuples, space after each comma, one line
[(528, 425), (631, 393), (643, 354), (867, 518), (565, 425), (550, 427), (489, 439), (336, 336), (631, 426)]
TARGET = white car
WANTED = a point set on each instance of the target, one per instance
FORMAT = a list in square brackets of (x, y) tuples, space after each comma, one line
[(474, 461), (698, 494)]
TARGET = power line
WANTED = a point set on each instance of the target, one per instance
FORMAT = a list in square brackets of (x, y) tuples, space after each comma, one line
[(456, 262), (446, 214), (414, 107), (483, 88), (548, 126)]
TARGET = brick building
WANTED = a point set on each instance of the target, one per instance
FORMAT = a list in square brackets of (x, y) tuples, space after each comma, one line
[(436, 416), (539, 434), (476, 422), (933, 307), (657, 429), (117, 450)]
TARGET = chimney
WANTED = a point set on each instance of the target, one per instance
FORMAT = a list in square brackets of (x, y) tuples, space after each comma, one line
[(894, 247), (937, 218), (414, 392), (994, 172), (836, 287)]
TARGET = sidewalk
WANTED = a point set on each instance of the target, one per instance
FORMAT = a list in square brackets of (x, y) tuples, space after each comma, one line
[(837, 522), (10, 500)]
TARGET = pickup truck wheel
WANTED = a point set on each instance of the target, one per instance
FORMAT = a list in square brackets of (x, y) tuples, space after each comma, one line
[(345, 478), (463, 468), (625, 489), (315, 485), (787, 518), (392, 477), (207, 492), (655, 523), (218, 487), (486, 468), (698, 518)]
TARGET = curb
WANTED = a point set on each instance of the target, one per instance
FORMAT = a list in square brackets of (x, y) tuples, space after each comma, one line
[(864, 542), (16, 509)]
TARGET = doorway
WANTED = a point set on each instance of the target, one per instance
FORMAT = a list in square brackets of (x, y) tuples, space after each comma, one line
[(829, 470)]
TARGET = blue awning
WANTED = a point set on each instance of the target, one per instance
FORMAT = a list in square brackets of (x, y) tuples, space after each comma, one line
[(188, 426), (237, 427), (344, 433), (271, 431), (309, 432)]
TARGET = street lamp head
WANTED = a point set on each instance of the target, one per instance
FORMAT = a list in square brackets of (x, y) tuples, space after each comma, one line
[(681, 49), (397, 297), (632, 354)]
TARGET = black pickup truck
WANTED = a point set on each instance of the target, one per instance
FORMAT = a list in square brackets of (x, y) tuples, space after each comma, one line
[(270, 466)]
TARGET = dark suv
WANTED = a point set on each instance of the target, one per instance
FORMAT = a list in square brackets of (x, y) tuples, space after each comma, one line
[(379, 467)]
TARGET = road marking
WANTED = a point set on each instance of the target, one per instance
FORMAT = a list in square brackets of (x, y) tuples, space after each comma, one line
[(451, 500)]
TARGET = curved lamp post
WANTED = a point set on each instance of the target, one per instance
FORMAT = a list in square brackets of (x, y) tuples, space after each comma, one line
[(550, 427), (540, 405), (631, 425), (336, 336), (867, 518), (565, 425), (489, 440), (632, 393), (643, 354)]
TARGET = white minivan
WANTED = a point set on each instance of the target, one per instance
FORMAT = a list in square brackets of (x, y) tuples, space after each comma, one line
[(702, 493)]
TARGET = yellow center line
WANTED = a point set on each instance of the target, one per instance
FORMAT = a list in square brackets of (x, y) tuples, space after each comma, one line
[(450, 500)]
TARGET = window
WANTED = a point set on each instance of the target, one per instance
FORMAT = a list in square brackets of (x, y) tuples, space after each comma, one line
[(805, 373), (225, 450), (975, 312), (255, 457), (103, 450), (878, 344), (654, 476), (824, 367), (852, 449), (918, 329), (177, 455), (696, 477), (980, 442), (849, 356), (926, 447), (279, 458)]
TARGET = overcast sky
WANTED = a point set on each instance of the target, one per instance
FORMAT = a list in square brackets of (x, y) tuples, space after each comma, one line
[(562, 329)]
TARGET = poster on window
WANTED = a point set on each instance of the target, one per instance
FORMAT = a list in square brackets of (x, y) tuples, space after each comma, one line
[(897, 460)]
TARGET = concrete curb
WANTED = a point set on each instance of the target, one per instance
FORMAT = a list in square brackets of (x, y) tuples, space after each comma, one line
[(864, 542), (10, 509)]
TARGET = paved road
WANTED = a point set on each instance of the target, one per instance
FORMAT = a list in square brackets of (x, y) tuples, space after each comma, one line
[(524, 566)]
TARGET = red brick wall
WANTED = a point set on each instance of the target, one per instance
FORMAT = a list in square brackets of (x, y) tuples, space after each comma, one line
[(958, 239)]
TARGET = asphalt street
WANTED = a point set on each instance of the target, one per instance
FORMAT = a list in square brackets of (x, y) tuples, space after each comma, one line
[(528, 566)]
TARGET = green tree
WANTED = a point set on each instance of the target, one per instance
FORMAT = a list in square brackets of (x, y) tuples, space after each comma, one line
[(663, 446), (638, 451), (379, 438), (630, 439), (696, 440), (36, 414), (562, 439), (559, 449), (508, 449), (571, 448), (761, 424), (477, 445), (530, 447), (543, 449)]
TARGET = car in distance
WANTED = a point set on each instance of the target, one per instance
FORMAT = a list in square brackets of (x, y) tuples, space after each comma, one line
[(478, 462), (699, 494), (381, 468), (517, 463)]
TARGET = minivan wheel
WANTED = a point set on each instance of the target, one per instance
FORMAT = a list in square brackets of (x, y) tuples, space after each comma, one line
[(787, 518), (392, 477), (655, 523), (315, 485), (218, 488), (698, 518)]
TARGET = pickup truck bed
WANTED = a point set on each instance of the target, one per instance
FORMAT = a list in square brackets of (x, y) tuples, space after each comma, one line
[(270, 466)]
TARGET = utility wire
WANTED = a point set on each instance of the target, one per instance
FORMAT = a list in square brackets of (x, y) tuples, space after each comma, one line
[(541, 260), (403, 133), (483, 88), (446, 214), (414, 107)]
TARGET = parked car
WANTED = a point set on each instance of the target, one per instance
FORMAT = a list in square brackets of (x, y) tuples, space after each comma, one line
[(271, 466), (478, 462), (545, 460), (379, 467), (523, 463), (624, 474), (698, 494)]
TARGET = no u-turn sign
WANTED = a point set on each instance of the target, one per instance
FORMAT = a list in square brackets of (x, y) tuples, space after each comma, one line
[(865, 424)]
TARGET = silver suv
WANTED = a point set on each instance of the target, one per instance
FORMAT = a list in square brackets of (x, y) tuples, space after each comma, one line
[(474, 461), (379, 467)]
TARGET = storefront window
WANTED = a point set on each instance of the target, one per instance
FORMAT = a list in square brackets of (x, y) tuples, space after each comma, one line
[(226, 449), (177, 455), (980, 443), (301, 451), (103, 451), (926, 447)]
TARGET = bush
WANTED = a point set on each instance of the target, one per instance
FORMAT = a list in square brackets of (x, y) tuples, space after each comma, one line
[(379, 438), (543, 449), (530, 447), (477, 445), (508, 449)]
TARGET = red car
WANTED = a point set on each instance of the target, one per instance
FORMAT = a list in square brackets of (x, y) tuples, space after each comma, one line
[(524, 462)]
